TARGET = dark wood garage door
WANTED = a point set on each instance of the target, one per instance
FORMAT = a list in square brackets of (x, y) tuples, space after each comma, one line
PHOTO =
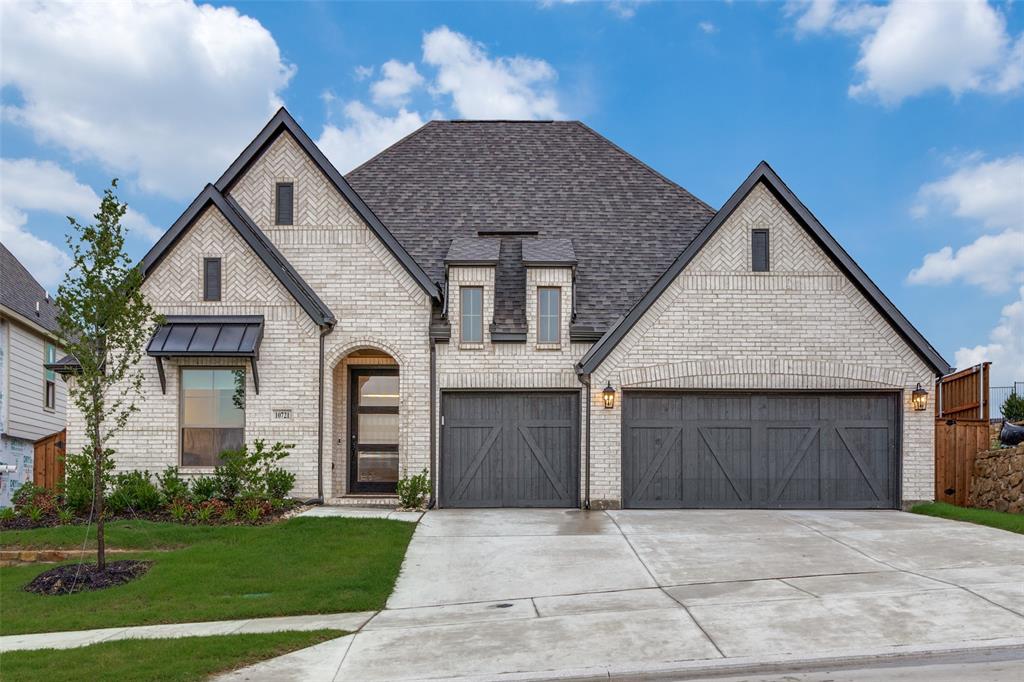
[(510, 449), (785, 450)]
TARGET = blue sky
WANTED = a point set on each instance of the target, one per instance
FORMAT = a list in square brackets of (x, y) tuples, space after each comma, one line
[(899, 126)]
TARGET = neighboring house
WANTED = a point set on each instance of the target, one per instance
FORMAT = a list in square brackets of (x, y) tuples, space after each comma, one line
[(534, 317), (33, 399)]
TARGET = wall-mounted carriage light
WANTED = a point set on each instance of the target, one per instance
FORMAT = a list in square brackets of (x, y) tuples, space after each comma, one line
[(608, 394), (919, 399)]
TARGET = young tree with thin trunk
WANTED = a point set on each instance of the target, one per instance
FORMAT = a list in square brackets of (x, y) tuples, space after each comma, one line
[(105, 322)]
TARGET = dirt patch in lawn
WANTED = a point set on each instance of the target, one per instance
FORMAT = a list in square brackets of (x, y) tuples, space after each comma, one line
[(72, 578)]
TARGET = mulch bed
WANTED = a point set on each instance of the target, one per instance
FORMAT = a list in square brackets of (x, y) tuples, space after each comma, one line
[(71, 578)]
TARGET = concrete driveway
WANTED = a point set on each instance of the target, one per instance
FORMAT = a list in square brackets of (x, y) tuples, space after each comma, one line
[(526, 593)]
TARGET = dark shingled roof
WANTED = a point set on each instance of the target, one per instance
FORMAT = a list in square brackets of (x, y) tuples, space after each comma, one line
[(20, 292), (473, 250), (546, 179), (548, 252)]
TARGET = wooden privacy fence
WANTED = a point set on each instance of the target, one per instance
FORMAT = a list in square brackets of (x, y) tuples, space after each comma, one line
[(963, 394), (957, 441), (48, 470)]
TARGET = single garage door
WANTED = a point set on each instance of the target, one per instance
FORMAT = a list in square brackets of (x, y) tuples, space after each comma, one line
[(510, 449), (784, 450)]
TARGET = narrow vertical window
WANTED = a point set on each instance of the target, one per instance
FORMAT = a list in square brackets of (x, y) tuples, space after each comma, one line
[(472, 315), (759, 250), (284, 203), (49, 377), (549, 314), (211, 279)]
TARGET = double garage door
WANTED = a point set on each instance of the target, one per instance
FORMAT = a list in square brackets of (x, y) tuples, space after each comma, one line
[(795, 450), (510, 449), (679, 449)]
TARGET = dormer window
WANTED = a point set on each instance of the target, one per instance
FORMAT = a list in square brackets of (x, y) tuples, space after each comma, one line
[(549, 317), (472, 319), (759, 250), (284, 203)]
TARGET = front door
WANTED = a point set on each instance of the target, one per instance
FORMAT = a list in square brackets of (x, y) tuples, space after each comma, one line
[(373, 430)]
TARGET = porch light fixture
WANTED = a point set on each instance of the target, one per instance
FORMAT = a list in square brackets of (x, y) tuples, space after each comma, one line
[(919, 399), (608, 394)]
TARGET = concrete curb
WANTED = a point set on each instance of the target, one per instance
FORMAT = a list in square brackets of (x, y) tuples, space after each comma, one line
[(780, 664)]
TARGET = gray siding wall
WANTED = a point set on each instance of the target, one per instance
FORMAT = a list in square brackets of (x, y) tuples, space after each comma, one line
[(26, 417)]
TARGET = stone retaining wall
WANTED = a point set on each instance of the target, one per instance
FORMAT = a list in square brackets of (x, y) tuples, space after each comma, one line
[(997, 480)]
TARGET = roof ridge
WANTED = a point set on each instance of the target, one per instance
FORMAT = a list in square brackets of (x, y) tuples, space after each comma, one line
[(643, 165), (393, 145)]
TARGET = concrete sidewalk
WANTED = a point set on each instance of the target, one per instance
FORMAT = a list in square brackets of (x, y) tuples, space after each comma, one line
[(349, 622), (535, 594)]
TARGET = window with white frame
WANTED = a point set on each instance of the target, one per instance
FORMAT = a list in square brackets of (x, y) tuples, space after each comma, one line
[(549, 314), (49, 377), (471, 304)]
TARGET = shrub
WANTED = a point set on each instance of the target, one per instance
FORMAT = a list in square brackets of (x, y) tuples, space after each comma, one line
[(31, 496), (413, 490), (246, 473), (1013, 407), (204, 488), (34, 513), (133, 492), (65, 516), (180, 509), (171, 485), (7, 514), (204, 512), (279, 483), (78, 479), (229, 515), (252, 509)]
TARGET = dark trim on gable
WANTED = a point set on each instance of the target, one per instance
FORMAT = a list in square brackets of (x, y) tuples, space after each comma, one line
[(282, 120), (257, 241), (764, 173)]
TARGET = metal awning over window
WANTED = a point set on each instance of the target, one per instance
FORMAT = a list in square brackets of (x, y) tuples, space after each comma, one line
[(208, 336)]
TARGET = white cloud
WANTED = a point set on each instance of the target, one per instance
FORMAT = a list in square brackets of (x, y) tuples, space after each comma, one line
[(44, 260), (910, 47), (1006, 348), (363, 72), (398, 80), (993, 262), (624, 9), (707, 27), (816, 16), (132, 85), (43, 186), (991, 192), (32, 185), (462, 77), (364, 134), (485, 87)]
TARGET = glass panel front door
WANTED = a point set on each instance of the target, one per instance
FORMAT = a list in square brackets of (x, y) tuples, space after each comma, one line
[(373, 427)]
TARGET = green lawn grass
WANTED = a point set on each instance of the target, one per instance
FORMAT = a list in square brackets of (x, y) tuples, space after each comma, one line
[(985, 517), (300, 566), (167, 660)]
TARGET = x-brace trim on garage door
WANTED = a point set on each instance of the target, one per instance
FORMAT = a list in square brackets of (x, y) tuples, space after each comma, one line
[(858, 459), (538, 454), (478, 459), (718, 460), (795, 461), (659, 458)]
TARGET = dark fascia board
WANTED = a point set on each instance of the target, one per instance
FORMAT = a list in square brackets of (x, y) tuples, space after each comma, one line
[(764, 173), (549, 263), (459, 263), (508, 337), (283, 121), (257, 241), (584, 334)]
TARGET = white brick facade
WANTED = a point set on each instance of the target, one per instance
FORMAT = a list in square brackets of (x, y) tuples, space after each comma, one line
[(803, 325)]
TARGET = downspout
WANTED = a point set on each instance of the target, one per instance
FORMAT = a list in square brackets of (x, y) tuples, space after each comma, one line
[(585, 380), (433, 424), (324, 331)]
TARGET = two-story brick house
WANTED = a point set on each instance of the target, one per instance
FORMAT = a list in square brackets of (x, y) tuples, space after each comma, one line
[(536, 318)]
